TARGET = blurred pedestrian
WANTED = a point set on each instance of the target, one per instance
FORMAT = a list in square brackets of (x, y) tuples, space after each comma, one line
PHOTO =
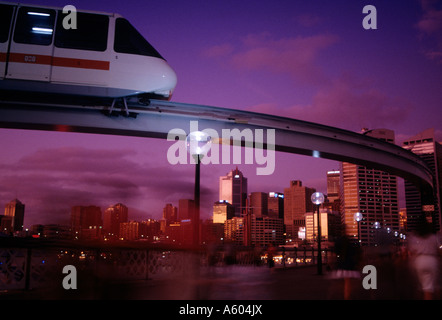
[(271, 251), (423, 246), (347, 264), (230, 255)]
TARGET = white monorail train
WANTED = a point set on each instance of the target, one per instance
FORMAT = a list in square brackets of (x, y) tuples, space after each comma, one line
[(105, 56)]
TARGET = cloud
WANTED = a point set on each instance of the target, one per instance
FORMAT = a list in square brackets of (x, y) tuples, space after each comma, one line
[(295, 56), (347, 103), (261, 52), (218, 50), (430, 28), (51, 181)]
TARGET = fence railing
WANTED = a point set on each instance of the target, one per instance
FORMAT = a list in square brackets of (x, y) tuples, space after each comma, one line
[(29, 267)]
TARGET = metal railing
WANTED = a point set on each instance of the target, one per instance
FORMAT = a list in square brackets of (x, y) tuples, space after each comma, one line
[(24, 266)]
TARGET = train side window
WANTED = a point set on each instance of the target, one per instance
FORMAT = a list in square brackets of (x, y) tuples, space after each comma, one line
[(91, 33), (129, 40), (5, 21), (34, 26)]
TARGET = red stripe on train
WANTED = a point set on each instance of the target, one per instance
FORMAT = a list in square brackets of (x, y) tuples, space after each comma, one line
[(56, 61)]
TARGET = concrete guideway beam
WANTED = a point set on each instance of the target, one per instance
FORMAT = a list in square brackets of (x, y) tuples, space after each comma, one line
[(157, 119)]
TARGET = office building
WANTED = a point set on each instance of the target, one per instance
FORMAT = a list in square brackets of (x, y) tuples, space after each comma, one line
[(113, 216), (234, 230), (212, 233), (250, 230), (233, 189), (297, 202), (333, 178), (426, 147), (373, 193), (180, 233), (56, 231), (150, 230), (16, 210), (330, 225), (6, 224), (83, 217), (275, 205), (170, 213), (131, 230), (186, 209), (266, 231), (222, 211), (86, 222), (259, 203)]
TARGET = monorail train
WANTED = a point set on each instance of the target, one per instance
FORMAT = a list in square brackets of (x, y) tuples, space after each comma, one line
[(105, 56)]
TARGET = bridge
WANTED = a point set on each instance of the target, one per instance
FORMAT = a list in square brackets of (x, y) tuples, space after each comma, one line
[(158, 118)]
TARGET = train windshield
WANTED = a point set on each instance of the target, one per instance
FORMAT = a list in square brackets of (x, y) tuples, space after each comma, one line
[(129, 40)]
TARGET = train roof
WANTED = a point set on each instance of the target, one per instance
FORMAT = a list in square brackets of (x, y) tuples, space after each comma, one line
[(59, 8)]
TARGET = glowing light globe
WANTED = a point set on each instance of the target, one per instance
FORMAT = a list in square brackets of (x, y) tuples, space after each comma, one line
[(317, 198), (358, 216), (198, 143)]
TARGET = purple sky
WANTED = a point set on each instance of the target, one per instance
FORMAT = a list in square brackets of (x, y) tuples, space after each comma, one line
[(310, 60)]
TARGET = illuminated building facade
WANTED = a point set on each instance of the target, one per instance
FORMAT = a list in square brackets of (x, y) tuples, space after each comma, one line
[(112, 218), (333, 179), (259, 203), (233, 189), (266, 231), (426, 147), (275, 205), (16, 211), (297, 203), (234, 230), (373, 193), (222, 211), (330, 225)]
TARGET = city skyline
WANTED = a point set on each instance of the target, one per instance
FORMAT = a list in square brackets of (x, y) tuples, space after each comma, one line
[(308, 61), (176, 203)]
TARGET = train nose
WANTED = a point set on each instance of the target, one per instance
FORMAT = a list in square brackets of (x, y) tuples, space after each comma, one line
[(168, 80)]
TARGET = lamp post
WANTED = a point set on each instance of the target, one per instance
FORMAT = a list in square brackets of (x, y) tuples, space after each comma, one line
[(358, 218), (377, 226), (317, 199), (198, 144)]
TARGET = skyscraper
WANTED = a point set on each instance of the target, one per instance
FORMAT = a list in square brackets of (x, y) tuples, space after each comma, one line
[(170, 213), (373, 193), (222, 211), (16, 210), (259, 204), (186, 209), (233, 189), (113, 216), (426, 147), (333, 178), (83, 217), (275, 205), (297, 203)]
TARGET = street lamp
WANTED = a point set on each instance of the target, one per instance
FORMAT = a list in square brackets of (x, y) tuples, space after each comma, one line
[(317, 199), (358, 218), (377, 232), (198, 143)]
